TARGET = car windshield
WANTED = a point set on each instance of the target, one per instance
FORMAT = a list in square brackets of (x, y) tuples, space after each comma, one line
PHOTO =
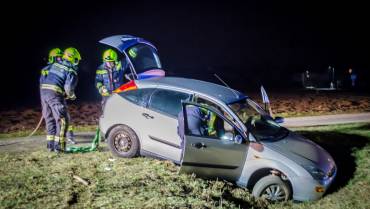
[(144, 57), (257, 121)]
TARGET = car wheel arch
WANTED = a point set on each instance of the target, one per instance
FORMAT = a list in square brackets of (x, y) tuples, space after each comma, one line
[(119, 124), (262, 172), (110, 129)]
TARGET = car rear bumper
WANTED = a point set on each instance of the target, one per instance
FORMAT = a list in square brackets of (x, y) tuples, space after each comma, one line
[(102, 127)]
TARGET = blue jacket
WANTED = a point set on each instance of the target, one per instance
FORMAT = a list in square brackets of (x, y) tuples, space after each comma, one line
[(61, 78), (195, 119), (44, 73), (110, 78)]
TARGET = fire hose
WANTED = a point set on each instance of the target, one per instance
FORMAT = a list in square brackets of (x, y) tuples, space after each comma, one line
[(37, 127), (93, 147)]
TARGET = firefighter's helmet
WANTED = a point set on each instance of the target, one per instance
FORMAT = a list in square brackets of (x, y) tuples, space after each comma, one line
[(110, 56), (72, 55), (53, 54)]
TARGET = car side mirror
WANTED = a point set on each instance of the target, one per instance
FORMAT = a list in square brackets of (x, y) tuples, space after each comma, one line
[(230, 137), (238, 139), (279, 119)]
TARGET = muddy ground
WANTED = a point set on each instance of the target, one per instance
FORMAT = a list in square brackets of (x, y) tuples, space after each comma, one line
[(287, 104)]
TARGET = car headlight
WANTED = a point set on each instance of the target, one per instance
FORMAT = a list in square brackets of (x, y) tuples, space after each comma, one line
[(316, 173)]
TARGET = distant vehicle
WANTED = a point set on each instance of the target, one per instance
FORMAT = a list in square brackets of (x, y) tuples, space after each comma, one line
[(249, 147), (321, 81)]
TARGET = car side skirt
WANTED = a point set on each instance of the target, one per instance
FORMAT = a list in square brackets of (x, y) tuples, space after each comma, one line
[(157, 156)]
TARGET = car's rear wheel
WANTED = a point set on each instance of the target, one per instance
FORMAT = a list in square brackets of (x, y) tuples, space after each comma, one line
[(123, 141), (272, 188)]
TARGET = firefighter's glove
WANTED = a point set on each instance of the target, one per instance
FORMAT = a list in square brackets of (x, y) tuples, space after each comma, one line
[(104, 91)]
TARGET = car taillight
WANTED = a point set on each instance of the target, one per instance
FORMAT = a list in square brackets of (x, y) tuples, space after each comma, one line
[(126, 87)]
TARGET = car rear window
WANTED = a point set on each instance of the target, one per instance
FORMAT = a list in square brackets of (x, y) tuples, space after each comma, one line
[(167, 101), (138, 96)]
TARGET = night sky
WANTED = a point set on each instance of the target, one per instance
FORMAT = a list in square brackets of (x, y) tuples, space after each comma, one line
[(249, 44)]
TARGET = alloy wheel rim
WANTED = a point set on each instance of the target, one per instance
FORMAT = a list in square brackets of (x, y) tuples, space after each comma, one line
[(274, 193)]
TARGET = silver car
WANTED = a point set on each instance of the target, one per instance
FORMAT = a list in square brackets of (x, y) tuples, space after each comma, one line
[(245, 145)]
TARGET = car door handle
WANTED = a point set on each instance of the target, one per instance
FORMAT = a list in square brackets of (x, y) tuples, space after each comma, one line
[(147, 116), (199, 145)]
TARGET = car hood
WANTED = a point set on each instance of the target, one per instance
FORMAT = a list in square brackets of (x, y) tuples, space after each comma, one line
[(302, 151)]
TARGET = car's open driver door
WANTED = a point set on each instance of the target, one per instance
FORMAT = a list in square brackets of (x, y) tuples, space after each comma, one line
[(221, 155)]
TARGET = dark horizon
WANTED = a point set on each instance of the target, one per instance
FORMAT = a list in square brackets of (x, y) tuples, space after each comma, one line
[(247, 44)]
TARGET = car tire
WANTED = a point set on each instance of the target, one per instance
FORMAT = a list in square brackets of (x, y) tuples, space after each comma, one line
[(123, 142), (272, 188)]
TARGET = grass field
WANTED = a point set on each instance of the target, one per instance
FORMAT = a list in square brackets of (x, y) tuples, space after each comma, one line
[(40, 179)]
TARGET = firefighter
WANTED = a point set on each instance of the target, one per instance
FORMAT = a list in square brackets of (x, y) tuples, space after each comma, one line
[(56, 87), (55, 55), (109, 75)]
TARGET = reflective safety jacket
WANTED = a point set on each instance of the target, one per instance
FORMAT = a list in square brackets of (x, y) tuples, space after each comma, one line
[(61, 78), (44, 72), (111, 78), (210, 117)]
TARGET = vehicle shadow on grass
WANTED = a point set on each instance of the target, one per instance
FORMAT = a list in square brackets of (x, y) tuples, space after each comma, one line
[(364, 127), (341, 147)]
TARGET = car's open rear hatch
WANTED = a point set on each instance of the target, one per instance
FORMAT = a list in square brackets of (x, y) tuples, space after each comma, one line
[(141, 55)]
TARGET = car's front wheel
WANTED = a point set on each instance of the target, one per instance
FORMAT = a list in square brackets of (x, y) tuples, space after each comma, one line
[(272, 188), (123, 141)]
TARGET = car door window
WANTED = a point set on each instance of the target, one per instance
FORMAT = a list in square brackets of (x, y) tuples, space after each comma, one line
[(202, 100), (204, 122), (138, 96), (167, 101)]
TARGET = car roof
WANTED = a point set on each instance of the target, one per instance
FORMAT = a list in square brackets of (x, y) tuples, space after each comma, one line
[(197, 86)]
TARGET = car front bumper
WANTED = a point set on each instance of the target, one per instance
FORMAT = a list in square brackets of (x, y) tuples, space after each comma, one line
[(306, 189)]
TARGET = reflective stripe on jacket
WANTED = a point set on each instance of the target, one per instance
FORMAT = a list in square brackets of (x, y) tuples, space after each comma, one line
[(62, 77)]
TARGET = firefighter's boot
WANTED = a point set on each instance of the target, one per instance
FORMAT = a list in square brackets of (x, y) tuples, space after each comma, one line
[(50, 146), (50, 142)]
